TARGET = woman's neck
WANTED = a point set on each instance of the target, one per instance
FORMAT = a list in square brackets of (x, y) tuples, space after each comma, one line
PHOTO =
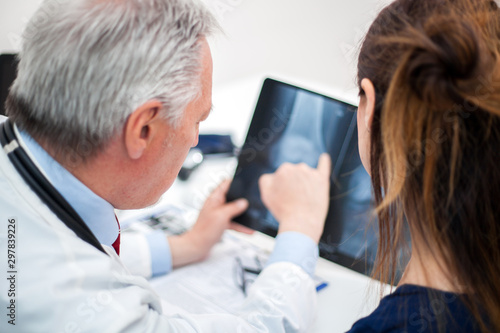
[(427, 268)]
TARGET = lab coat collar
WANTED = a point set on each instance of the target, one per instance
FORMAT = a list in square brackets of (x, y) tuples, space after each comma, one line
[(96, 212)]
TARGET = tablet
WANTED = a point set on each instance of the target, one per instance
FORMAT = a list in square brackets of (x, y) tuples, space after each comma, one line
[(295, 125)]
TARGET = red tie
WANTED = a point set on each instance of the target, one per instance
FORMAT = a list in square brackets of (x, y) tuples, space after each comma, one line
[(116, 244)]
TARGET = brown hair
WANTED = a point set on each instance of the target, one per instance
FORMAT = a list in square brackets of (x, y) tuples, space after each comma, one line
[(435, 140)]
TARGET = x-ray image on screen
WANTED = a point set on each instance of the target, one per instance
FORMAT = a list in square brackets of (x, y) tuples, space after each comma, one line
[(295, 125)]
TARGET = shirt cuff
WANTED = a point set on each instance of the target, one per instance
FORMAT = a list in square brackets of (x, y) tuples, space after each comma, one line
[(161, 256), (296, 248)]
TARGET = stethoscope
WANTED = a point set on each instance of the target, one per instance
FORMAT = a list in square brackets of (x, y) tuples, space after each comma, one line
[(42, 187)]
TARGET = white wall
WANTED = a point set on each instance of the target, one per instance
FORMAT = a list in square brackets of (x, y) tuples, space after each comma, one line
[(13, 17), (313, 41)]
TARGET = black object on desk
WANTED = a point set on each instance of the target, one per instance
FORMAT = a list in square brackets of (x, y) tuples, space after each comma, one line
[(215, 144), (291, 124), (209, 146), (8, 73)]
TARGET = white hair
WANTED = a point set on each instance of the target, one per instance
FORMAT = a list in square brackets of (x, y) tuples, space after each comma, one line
[(86, 65)]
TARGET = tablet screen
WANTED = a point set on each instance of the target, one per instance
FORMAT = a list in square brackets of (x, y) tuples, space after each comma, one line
[(295, 125)]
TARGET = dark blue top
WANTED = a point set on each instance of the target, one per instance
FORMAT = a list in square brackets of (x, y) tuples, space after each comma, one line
[(415, 309)]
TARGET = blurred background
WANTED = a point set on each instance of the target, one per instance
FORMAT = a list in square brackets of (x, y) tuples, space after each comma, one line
[(311, 43)]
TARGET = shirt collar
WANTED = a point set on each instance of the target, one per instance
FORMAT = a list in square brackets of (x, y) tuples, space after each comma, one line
[(96, 212)]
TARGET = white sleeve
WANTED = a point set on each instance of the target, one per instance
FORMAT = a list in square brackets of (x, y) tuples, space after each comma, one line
[(147, 255), (135, 254), (282, 299)]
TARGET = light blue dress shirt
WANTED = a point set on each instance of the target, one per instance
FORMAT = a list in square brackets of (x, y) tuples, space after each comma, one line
[(99, 216), (297, 248)]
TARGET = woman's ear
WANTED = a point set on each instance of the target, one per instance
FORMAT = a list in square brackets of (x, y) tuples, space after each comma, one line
[(139, 128), (369, 90)]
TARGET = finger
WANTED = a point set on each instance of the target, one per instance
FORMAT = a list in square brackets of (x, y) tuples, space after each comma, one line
[(241, 228), (325, 165), (219, 193), (235, 208), (264, 180), (224, 186)]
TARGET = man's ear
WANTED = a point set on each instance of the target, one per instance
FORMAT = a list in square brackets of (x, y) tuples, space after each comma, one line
[(369, 90), (138, 131)]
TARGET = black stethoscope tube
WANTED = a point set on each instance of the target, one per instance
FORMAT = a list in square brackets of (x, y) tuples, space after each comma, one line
[(44, 189)]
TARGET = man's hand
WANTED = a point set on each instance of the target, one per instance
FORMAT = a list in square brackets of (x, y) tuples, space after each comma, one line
[(298, 196), (215, 217)]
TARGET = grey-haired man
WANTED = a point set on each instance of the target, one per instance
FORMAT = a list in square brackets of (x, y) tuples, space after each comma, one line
[(107, 103)]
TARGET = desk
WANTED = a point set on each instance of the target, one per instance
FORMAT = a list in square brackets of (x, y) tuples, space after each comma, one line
[(349, 295)]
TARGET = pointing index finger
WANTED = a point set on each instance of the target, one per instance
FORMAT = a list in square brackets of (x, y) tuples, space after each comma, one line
[(325, 165)]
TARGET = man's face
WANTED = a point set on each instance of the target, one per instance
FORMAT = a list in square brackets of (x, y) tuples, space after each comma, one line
[(176, 141)]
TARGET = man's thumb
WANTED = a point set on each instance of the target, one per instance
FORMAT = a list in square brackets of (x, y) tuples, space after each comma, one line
[(236, 207)]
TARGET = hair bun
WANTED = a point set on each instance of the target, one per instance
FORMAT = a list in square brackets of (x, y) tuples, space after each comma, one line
[(444, 68)]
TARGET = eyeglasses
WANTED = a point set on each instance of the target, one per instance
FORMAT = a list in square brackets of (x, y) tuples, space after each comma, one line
[(245, 276)]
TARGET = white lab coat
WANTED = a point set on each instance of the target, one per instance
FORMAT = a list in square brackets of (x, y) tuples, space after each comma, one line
[(65, 285)]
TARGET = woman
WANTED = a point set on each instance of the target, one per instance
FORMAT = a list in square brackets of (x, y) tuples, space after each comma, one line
[(429, 135)]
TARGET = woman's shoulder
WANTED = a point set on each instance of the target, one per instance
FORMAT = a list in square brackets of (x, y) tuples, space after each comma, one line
[(412, 308)]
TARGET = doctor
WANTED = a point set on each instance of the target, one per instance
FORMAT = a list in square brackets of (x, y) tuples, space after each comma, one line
[(106, 105)]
